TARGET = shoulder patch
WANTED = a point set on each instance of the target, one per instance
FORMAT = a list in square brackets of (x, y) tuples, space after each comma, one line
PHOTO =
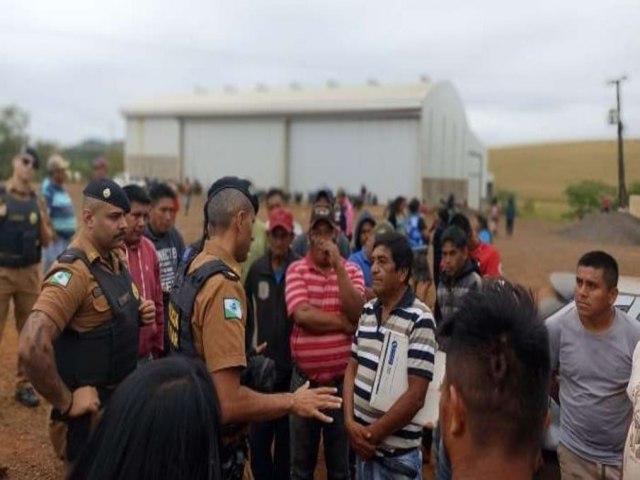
[(232, 309), (62, 278)]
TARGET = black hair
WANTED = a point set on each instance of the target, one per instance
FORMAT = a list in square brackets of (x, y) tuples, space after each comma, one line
[(326, 193), (160, 191), (163, 421), (397, 203), (272, 192), (461, 221), (498, 360), (602, 261), (482, 221), (137, 194), (400, 248), (456, 236), (414, 206), (443, 215)]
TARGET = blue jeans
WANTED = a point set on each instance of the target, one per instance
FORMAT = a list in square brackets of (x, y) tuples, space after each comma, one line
[(377, 469), (443, 466), (54, 249), (305, 440)]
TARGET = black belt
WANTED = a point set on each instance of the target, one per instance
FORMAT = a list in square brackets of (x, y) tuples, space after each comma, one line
[(397, 452)]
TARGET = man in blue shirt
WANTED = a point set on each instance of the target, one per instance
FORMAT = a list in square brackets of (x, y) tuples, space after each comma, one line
[(60, 207)]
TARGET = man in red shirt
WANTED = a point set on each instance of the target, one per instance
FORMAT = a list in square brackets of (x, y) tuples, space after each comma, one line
[(145, 271), (486, 256), (324, 296)]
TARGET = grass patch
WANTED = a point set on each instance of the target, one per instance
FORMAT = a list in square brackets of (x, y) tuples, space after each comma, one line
[(542, 172)]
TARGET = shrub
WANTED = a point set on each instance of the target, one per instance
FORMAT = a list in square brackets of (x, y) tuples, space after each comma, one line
[(586, 197)]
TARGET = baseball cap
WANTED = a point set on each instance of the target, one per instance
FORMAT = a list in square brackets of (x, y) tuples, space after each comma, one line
[(321, 213), (33, 153), (56, 162), (108, 191), (281, 217), (240, 184), (382, 228)]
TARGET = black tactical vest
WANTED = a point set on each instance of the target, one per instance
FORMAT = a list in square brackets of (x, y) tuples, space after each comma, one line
[(104, 356), (19, 231), (182, 299)]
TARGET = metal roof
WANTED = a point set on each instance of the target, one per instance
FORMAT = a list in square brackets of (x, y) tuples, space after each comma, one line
[(331, 99)]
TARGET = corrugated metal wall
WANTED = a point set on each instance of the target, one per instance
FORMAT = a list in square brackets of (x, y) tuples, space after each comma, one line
[(152, 148), (248, 148), (382, 154)]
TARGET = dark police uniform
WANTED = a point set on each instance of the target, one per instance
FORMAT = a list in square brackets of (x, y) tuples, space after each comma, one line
[(24, 229), (95, 304), (207, 318)]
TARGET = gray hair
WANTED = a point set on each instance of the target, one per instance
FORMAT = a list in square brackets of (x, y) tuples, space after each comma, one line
[(224, 205)]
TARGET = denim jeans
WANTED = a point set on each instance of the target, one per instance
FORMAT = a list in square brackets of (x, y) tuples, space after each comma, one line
[(443, 466), (377, 469), (54, 249), (266, 465), (305, 436)]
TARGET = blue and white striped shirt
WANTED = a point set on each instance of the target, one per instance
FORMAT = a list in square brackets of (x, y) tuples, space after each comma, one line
[(412, 318)]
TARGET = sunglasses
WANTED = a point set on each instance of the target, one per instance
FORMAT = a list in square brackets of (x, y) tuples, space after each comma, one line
[(27, 161)]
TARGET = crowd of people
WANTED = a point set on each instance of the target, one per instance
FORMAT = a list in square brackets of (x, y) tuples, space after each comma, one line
[(246, 350)]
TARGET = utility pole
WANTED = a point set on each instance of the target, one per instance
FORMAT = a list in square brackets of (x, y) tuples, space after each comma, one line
[(617, 118)]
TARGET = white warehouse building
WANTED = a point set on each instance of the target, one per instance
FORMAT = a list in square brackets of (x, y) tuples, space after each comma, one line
[(411, 140)]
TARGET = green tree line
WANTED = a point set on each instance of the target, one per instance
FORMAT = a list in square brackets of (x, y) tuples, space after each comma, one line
[(14, 135)]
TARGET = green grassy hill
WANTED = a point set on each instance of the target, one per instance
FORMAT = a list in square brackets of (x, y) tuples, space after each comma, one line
[(540, 173)]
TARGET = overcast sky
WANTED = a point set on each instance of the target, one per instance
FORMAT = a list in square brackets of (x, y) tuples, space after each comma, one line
[(526, 71)]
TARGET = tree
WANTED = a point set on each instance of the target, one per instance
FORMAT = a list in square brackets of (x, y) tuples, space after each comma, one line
[(586, 197), (13, 135)]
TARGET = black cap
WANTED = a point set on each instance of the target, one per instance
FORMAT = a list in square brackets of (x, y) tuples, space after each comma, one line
[(33, 153), (322, 214), (107, 191), (240, 184)]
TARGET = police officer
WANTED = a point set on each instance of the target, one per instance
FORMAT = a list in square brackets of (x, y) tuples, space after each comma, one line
[(24, 230), (81, 338), (207, 317)]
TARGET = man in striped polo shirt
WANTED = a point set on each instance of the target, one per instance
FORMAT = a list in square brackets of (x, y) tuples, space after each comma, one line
[(387, 443), (324, 295)]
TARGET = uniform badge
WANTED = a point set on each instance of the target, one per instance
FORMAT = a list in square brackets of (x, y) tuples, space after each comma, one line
[(232, 309), (106, 193), (136, 294), (33, 218), (263, 290), (61, 278)]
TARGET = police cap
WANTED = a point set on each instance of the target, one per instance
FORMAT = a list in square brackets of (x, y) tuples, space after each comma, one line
[(240, 184), (107, 191)]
